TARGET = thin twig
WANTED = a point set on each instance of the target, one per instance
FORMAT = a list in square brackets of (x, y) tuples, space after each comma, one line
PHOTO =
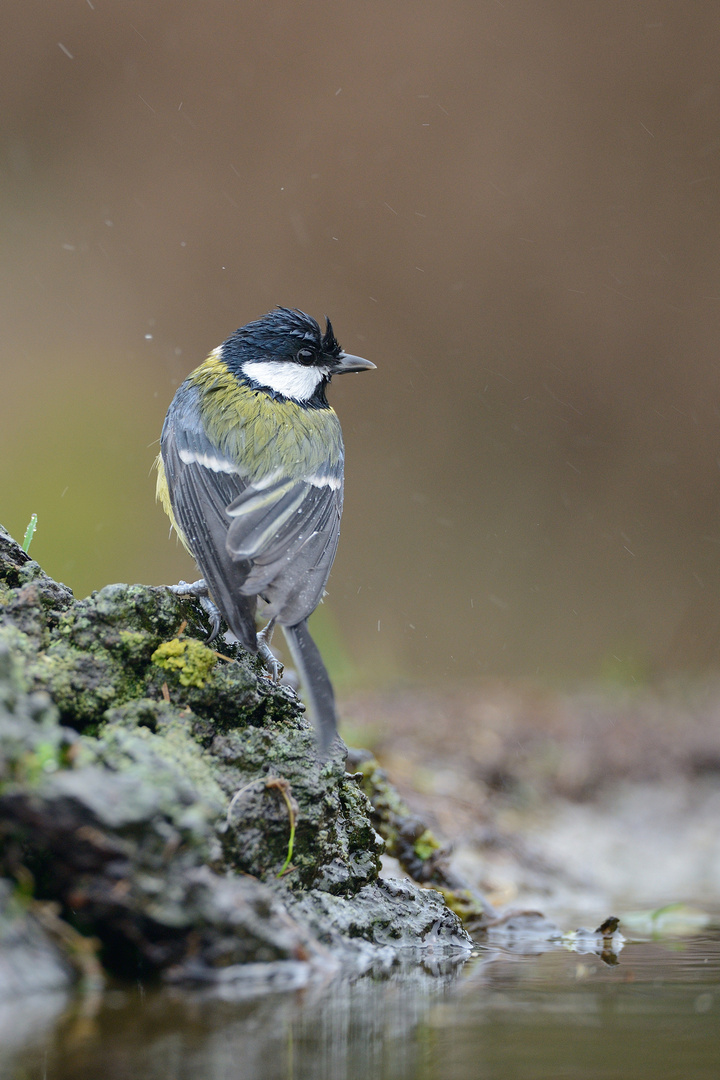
[(237, 795)]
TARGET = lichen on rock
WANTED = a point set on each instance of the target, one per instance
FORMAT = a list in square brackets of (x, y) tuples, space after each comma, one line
[(190, 658)]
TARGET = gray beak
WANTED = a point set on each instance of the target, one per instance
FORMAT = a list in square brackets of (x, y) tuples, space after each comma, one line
[(346, 362)]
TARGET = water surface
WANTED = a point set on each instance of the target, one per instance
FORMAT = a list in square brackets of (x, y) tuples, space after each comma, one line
[(655, 1013)]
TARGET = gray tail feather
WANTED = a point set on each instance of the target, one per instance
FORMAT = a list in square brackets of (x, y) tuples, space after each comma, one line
[(316, 683)]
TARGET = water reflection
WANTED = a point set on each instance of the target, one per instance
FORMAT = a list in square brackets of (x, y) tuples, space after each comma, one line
[(655, 1014)]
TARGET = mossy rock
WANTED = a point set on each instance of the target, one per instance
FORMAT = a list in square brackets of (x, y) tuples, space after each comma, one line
[(149, 784)]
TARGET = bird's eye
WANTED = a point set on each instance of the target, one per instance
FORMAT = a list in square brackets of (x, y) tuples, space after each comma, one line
[(305, 356)]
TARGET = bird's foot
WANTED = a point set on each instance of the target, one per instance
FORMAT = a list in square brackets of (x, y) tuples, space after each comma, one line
[(199, 590), (271, 662)]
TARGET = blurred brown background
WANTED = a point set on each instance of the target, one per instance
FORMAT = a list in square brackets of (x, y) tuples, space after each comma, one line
[(511, 208)]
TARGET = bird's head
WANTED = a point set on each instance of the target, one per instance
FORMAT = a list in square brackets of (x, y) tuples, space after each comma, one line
[(286, 353)]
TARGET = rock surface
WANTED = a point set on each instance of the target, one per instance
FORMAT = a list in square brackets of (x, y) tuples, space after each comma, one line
[(170, 799)]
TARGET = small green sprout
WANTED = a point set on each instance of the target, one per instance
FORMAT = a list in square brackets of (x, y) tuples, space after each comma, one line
[(280, 784), (29, 533)]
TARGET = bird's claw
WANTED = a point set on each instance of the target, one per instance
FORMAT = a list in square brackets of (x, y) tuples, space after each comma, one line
[(199, 590), (190, 588), (270, 661), (213, 613)]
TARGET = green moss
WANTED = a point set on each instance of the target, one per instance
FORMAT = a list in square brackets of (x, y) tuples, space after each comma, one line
[(45, 758), (416, 847), (166, 759), (134, 643), (233, 697), (389, 810), (82, 684), (425, 845), (468, 907), (193, 660)]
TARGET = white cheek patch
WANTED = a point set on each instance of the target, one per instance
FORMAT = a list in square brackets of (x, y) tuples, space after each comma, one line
[(208, 461), (286, 378)]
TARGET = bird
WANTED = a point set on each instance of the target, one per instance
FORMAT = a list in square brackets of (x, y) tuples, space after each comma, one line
[(251, 474)]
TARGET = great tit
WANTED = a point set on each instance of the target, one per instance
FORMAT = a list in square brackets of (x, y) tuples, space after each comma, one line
[(250, 473)]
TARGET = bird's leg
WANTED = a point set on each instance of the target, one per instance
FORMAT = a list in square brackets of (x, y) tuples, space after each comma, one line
[(199, 590), (268, 658)]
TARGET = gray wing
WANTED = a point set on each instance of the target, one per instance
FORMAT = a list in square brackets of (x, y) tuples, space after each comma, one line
[(276, 541), (199, 495), (289, 533)]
